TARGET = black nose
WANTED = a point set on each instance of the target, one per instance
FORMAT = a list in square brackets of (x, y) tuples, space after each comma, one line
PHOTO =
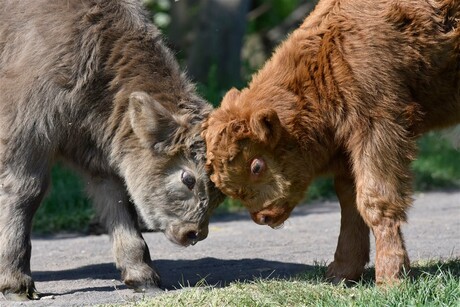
[(192, 235)]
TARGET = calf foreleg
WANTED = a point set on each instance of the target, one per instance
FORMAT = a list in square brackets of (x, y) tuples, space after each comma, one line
[(381, 160), (21, 191), (352, 251), (131, 253)]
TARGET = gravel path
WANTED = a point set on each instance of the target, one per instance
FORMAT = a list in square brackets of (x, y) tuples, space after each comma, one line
[(78, 270)]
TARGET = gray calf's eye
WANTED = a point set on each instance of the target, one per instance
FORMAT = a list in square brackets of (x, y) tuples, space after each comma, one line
[(188, 179)]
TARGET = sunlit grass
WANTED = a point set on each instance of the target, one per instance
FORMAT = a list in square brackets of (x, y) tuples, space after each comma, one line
[(437, 165), (430, 284)]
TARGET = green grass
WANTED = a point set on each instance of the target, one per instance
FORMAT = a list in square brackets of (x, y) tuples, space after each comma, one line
[(438, 164), (431, 284)]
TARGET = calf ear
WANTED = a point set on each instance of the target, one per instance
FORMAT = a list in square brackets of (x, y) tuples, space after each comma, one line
[(230, 96), (266, 126), (151, 121)]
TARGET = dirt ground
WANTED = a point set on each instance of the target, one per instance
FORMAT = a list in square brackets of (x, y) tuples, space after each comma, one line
[(75, 270)]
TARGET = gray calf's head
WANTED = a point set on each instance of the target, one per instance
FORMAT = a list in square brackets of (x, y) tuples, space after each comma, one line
[(164, 169)]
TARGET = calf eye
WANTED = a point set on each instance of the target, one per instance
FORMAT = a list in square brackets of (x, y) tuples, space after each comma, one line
[(188, 179), (257, 166)]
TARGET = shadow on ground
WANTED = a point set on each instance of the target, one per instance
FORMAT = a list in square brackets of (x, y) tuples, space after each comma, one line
[(177, 274)]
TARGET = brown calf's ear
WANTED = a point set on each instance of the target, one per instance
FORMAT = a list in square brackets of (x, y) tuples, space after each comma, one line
[(230, 96), (151, 121), (266, 126)]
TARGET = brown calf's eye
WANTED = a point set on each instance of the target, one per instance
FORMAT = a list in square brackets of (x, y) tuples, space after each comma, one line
[(188, 180), (257, 166)]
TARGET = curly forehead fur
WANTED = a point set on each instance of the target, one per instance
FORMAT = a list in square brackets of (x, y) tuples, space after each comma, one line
[(238, 132), (239, 116)]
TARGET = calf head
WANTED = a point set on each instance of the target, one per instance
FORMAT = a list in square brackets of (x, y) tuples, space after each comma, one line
[(251, 157), (163, 163)]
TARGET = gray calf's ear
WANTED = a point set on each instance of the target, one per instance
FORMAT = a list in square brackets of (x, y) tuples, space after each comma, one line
[(151, 121)]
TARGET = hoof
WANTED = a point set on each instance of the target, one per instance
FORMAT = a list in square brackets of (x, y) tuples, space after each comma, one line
[(150, 286), (336, 280), (337, 274), (29, 294)]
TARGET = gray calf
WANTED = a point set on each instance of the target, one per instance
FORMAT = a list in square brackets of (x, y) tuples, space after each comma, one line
[(90, 82)]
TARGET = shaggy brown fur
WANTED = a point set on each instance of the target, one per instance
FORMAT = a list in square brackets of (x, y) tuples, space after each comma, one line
[(347, 93), (91, 82)]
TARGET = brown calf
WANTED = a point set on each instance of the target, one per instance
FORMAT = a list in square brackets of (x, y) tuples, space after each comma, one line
[(347, 93)]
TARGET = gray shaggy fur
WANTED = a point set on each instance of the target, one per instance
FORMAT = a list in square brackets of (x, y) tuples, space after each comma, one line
[(90, 82)]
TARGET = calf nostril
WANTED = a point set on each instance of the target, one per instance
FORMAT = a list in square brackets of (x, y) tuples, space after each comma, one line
[(264, 219), (192, 235)]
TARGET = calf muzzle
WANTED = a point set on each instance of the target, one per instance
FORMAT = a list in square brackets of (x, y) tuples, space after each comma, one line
[(273, 216), (188, 234)]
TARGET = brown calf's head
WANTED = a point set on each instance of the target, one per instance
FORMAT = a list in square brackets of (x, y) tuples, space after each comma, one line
[(163, 163), (252, 158)]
